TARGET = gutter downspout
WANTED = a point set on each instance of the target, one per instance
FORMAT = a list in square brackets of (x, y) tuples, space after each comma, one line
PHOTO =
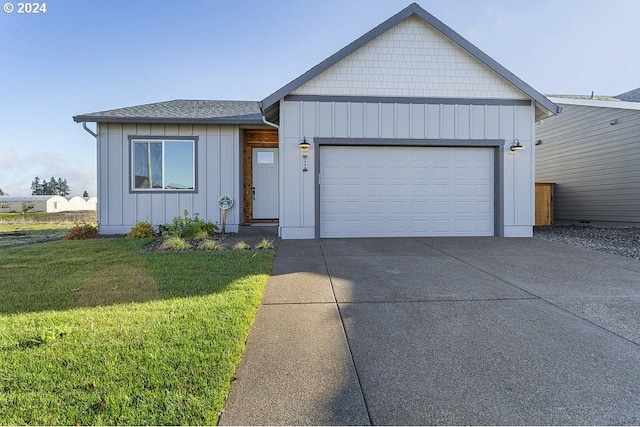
[(84, 125), (264, 120), (95, 135)]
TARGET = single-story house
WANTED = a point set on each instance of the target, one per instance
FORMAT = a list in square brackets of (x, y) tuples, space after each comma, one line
[(410, 130), (591, 152)]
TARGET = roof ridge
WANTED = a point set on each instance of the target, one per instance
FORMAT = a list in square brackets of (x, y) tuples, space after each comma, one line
[(412, 10)]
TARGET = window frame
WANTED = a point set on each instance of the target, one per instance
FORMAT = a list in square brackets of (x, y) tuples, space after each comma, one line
[(147, 138)]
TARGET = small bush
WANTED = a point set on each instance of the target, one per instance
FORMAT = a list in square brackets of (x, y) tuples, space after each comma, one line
[(82, 232), (265, 244), (175, 243), (211, 245), (191, 228), (201, 235), (241, 246), (141, 230)]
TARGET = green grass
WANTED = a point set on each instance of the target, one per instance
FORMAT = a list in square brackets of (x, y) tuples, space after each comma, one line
[(31, 217), (98, 332), (16, 234)]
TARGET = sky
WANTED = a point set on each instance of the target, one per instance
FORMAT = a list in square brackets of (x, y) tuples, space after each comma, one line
[(92, 55)]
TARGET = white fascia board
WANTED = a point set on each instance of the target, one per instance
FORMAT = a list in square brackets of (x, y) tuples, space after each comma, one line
[(624, 105)]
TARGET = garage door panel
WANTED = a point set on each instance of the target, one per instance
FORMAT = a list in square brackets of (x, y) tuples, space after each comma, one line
[(484, 191), (484, 207), (463, 208), (438, 173), (419, 207), (406, 191), (419, 191), (441, 207), (483, 173), (485, 226)]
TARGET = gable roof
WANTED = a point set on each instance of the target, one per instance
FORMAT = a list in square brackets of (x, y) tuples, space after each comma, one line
[(180, 111), (412, 9), (631, 96)]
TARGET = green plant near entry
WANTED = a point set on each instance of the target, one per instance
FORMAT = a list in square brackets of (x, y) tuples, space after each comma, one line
[(191, 228), (111, 335), (201, 235), (210, 245), (175, 243), (82, 232), (264, 244), (142, 230), (241, 246)]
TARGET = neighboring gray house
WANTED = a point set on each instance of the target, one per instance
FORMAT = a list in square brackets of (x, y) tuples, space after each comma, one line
[(592, 153), (410, 130)]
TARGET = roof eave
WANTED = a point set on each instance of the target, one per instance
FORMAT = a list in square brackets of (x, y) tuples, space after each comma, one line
[(163, 120)]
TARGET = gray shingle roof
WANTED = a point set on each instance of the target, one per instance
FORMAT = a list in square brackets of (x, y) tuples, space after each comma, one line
[(180, 111), (631, 96)]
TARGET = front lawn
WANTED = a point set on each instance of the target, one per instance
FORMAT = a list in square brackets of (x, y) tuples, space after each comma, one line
[(98, 332), (15, 234)]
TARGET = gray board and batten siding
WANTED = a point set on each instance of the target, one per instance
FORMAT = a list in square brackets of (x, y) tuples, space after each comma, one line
[(594, 164)]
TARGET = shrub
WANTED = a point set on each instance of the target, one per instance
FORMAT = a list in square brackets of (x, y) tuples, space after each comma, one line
[(201, 235), (211, 245), (175, 243), (265, 244), (191, 228), (141, 230), (82, 232), (241, 246)]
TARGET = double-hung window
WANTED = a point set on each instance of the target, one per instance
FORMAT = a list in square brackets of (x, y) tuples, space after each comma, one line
[(163, 164)]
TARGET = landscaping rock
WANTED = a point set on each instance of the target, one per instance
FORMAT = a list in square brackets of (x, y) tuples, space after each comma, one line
[(623, 241)]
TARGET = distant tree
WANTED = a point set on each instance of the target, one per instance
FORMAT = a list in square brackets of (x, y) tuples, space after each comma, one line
[(63, 187), (2, 193), (37, 188), (52, 187), (85, 194)]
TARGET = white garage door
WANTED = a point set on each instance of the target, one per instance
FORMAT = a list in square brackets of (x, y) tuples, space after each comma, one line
[(406, 191)]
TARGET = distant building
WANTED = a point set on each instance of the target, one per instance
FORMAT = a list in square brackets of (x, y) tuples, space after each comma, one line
[(50, 204)]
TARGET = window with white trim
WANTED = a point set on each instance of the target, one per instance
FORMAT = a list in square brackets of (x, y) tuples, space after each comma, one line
[(163, 164)]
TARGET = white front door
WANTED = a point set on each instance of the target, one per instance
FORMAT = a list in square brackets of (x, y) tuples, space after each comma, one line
[(265, 183)]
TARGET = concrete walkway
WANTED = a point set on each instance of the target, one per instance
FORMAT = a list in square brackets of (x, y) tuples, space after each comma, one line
[(442, 331)]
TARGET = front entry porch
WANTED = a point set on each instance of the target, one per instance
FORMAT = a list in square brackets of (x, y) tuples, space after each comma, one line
[(260, 176)]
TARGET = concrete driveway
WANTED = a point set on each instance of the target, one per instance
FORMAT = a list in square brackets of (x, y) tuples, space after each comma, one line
[(442, 331)]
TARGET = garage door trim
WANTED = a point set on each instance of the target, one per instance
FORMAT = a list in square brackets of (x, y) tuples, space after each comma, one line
[(496, 144)]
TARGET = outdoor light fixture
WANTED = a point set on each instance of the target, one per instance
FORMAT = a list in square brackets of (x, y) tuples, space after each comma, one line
[(515, 146), (304, 146)]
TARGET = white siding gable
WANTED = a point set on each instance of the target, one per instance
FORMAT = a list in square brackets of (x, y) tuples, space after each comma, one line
[(411, 59)]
